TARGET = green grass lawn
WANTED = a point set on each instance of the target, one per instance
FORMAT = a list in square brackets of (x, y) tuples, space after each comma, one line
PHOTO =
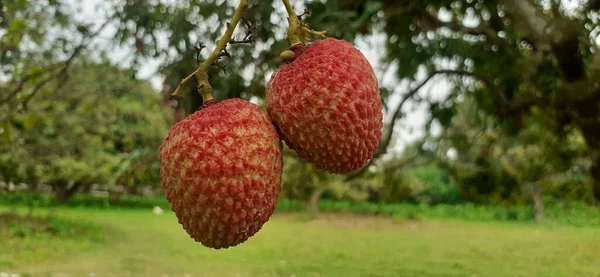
[(139, 243)]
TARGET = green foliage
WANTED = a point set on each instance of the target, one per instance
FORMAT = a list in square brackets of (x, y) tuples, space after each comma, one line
[(479, 174), (495, 166), (24, 26), (43, 200), (563, 212), (516, 91), (290, 205), (412, 177), (571, 213), (39, 41), (438, 186), (301, 180), (400, 185), (357, 17), (15, 226), (100, 127)]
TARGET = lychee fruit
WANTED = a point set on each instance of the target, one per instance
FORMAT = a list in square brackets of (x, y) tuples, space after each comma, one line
[(221, 171), (326, 105)]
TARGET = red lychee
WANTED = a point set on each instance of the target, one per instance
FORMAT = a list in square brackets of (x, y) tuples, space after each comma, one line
[(326, 105), (221, 171)]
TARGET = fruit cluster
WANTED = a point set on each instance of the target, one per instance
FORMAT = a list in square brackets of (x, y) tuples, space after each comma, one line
[(221, 167)]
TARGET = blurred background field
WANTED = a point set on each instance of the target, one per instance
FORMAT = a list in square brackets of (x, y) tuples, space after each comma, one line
[(126, 242), (91, 236), (489, 164)]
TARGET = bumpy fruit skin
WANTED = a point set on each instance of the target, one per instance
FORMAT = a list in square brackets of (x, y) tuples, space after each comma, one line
[(221, 171), (326, 105)]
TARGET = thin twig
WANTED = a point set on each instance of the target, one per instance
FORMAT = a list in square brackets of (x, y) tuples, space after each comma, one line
[(199, 49), (200, 73), (221, 66)]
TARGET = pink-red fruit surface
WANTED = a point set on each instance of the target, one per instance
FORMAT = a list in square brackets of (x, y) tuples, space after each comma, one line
[(326, 105), (221, 171)]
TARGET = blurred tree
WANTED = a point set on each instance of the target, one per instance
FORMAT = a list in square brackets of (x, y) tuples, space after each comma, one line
[(494, 166), (303, 181), (524, 55), (541, 161), (513, 57), (466, 148), (39, 41), (399, 184), (101, 127), (552, 69), (413, 176)]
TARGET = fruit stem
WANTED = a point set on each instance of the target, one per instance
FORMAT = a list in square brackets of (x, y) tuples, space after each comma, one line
[(298, 31), (204, 87)]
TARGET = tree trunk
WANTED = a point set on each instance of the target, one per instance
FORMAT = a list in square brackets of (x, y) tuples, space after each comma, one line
[(595, 171), (62, 191), (313, 204), (115, 196), (591, 133), (33, 186), (538, 204), (60, 195)]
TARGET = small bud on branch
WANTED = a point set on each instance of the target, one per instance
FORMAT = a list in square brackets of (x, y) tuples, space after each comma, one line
[(306, 12), (198, 50)]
